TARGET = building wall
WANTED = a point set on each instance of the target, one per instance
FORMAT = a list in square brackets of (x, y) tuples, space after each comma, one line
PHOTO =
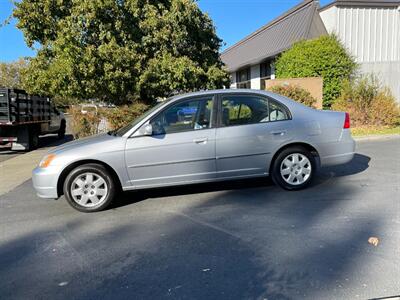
[(372, 35), (255, 79), (233, 80)]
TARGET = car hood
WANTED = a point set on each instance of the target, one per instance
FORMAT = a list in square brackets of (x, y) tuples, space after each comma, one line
[(88, 141)]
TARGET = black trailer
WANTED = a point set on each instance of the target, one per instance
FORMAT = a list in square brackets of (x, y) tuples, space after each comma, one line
[(24, 117)]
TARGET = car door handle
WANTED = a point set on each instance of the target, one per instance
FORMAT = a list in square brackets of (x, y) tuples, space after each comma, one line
[(200, 140), (278, 132)]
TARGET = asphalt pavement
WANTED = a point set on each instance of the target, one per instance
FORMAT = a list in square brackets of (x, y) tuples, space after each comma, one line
[(45, 141), (233, 240)]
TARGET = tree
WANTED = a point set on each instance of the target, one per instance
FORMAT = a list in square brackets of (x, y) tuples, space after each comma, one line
[(325, 57), (10, 73), (119, 50)]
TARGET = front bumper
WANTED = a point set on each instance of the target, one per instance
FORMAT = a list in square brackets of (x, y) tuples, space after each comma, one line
[(45, 182)]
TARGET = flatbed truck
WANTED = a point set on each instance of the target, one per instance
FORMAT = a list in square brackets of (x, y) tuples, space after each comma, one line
[(23, 117)]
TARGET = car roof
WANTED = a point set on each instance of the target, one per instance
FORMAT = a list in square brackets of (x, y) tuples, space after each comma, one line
[(291, 104)]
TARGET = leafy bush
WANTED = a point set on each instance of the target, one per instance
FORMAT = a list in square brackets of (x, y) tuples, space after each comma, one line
[(89, 123), (368, 103), (296, 93), (324, 57), (83, 124), (121, 116)]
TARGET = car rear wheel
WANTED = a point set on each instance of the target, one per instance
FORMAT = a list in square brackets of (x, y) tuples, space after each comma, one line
[(294, 168), (89, 188)]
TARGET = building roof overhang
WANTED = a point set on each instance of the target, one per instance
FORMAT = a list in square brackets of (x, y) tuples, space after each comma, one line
[(299, 23), (362, 3)]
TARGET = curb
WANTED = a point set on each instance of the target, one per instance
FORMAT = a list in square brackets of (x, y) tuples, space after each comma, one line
[(376, 137)]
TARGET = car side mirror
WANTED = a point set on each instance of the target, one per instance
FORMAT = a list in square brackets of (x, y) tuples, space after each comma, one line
[(146, 129)]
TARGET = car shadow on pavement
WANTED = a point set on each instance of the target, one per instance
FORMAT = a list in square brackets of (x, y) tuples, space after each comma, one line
[(48, 140), (357, 165), (245, 240)]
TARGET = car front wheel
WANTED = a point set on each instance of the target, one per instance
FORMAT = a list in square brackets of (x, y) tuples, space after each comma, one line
[(294, 168), (89, 188)]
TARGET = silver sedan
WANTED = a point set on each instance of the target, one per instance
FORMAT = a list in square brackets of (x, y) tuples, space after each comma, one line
[(199, 137)]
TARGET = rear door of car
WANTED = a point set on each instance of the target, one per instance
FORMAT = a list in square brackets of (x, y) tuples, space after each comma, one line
[(250, 128), (181, 149)]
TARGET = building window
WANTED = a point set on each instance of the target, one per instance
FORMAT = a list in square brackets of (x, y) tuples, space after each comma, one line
[(265, 72), (243, 79)]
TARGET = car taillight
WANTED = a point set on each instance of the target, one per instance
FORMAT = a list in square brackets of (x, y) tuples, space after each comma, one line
[(346, 124)]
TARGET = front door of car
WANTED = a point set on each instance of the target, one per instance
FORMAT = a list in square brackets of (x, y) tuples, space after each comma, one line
[(181, 148), (251, 127)]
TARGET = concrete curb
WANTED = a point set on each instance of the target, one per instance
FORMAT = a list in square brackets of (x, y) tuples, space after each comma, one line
[(376, 137)]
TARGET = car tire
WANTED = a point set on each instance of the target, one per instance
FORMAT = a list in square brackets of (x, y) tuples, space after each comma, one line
[(61, 131), (89, 188), (294, 168)]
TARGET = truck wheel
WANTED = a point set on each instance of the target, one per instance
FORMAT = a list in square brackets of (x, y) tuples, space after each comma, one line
[(33, 141), (61, 131), (89, 188)]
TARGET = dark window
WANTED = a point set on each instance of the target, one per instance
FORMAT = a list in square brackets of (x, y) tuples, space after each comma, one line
[(194, 114), (277, 112), (243, 79), (240, 110), (243, 109), (265, 72)]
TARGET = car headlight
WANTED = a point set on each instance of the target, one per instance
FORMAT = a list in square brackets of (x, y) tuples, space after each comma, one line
[(45, 162)]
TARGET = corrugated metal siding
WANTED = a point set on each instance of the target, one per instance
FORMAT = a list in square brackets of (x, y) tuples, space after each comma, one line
[(371, 34), (273, 39)]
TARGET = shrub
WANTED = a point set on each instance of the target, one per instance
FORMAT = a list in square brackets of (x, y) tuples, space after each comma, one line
[(83, 124), (121, 116), (89, 123), (368, 103), (323, 57), (296, 93)]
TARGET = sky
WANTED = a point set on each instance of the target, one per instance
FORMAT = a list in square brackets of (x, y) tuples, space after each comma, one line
[(233, 19)]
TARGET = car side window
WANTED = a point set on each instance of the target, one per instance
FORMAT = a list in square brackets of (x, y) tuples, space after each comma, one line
[(194, 114), (243, 109), (277, 112)]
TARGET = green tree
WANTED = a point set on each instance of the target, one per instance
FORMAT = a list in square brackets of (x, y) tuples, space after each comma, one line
[(325, 57), (10, 73), (119, 50)]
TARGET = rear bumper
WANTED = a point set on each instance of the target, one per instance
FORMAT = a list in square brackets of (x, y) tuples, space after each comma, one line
[(337, 159), (45, 182), (340, 152)]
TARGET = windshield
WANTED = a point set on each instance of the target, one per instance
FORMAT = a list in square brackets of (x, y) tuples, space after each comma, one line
[(125, 129)]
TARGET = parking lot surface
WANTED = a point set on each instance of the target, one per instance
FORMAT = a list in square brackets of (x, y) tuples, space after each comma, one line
[(44, 141), (232, 240)]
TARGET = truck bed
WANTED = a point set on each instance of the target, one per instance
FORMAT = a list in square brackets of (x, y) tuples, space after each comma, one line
[(17, 107)]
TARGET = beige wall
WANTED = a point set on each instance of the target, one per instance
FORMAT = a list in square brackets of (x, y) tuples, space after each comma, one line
[(312, 84)]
